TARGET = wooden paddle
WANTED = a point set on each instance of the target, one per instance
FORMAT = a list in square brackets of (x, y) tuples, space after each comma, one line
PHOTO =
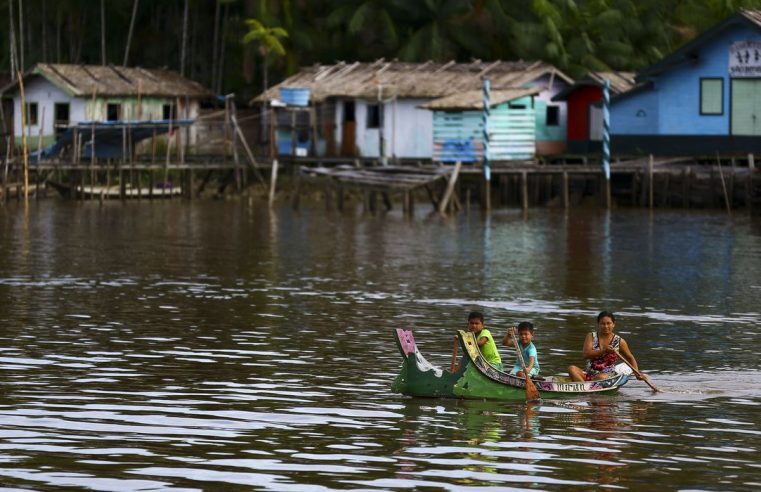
[(454, 367), (639, 374), (531, 392)]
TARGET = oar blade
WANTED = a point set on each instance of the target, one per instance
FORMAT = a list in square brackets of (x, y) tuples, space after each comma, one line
[(532, 394)]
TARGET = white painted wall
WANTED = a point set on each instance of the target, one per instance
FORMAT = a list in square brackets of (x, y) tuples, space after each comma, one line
[(407, 129), (39, 90), (46, 95)]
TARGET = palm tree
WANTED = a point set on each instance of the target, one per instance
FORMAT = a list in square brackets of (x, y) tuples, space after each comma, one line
[(268, 39)]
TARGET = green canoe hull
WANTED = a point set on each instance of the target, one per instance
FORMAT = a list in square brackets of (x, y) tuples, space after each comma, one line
[(474, 378)]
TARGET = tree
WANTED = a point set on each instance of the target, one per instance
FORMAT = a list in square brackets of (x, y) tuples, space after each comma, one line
[(268, 39)]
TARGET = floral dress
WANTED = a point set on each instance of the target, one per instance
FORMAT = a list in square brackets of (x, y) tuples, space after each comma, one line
[(606, 363)]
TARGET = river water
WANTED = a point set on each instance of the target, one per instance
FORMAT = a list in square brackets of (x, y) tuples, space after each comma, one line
[(214, 345)]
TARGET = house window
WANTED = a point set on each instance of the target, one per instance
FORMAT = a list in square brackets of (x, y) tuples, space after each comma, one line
[(712, 96), (553, 115), (168, 112), (373, 115), (31, 113), (113, 112)]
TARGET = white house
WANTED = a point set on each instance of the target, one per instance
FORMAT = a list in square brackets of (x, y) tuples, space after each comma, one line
[(58, 96), (374, 109)]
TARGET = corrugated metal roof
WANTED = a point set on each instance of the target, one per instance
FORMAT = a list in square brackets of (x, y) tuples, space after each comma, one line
[(473, 100), (409, 80), (109, 80)]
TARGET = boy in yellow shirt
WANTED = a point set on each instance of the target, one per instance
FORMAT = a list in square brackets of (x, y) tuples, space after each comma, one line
[(485, 340)]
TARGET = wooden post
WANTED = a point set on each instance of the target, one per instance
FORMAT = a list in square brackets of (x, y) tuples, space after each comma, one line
[(564, 191), (650, 182), (386, 201), (524, 190), (751, 162), (731, 184), (749, 191), (450, 188), (296, 189), (24, 149), (724, 186), (454, 366), (608, 198), (487, 194), (122, 183), (273, 182), (92, 159), (339, 197), (686, 187)]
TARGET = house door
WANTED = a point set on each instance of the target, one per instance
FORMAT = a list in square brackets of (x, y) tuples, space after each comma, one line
[(60, 118), (349, 130), (746, 107)]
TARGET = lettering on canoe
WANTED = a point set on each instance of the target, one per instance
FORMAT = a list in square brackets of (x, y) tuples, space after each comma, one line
[(571, 387)]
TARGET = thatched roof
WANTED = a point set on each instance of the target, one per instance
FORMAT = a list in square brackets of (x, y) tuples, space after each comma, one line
[(409, 80), (109, 80), (473, 100)]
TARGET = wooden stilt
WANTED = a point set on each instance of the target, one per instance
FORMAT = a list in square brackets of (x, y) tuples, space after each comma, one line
[(650, 182), (273, 182), (339, 197), (686, 176), (387, 201), (122, 182), (450, 188), (296, 199), (487, 195), (524, 190), (566, 201), (606, 190)]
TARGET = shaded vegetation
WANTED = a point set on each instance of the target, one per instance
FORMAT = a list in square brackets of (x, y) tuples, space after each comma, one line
[(205, 38)]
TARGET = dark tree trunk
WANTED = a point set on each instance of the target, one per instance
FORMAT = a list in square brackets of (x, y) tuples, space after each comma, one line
[(129, 35), (103, 32), (213, 74), (184, 37)]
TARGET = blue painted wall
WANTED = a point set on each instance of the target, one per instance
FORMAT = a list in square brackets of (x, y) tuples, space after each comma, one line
[(672, 106), (458, 136)]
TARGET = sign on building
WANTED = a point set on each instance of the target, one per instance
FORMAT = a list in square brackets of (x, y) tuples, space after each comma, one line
[(745, 59)]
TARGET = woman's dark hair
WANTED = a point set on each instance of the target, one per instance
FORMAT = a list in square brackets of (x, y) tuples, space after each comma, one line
[(606, 314), (476, 315)]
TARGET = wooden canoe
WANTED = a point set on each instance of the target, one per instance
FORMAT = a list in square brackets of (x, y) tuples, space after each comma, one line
[(475, 378)]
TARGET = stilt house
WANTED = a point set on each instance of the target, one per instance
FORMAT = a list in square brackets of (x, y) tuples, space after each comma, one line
[(584, 102), (60, 96), (377, 109), (702, 99)]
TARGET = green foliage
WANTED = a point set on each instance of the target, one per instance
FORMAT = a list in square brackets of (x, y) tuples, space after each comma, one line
[(575, 35)]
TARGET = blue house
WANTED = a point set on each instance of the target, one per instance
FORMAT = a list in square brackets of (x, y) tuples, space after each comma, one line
[(703, 98)]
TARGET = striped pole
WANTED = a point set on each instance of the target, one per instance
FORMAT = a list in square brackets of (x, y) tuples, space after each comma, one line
[(487, 110), (487, 169), (606, 128)]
